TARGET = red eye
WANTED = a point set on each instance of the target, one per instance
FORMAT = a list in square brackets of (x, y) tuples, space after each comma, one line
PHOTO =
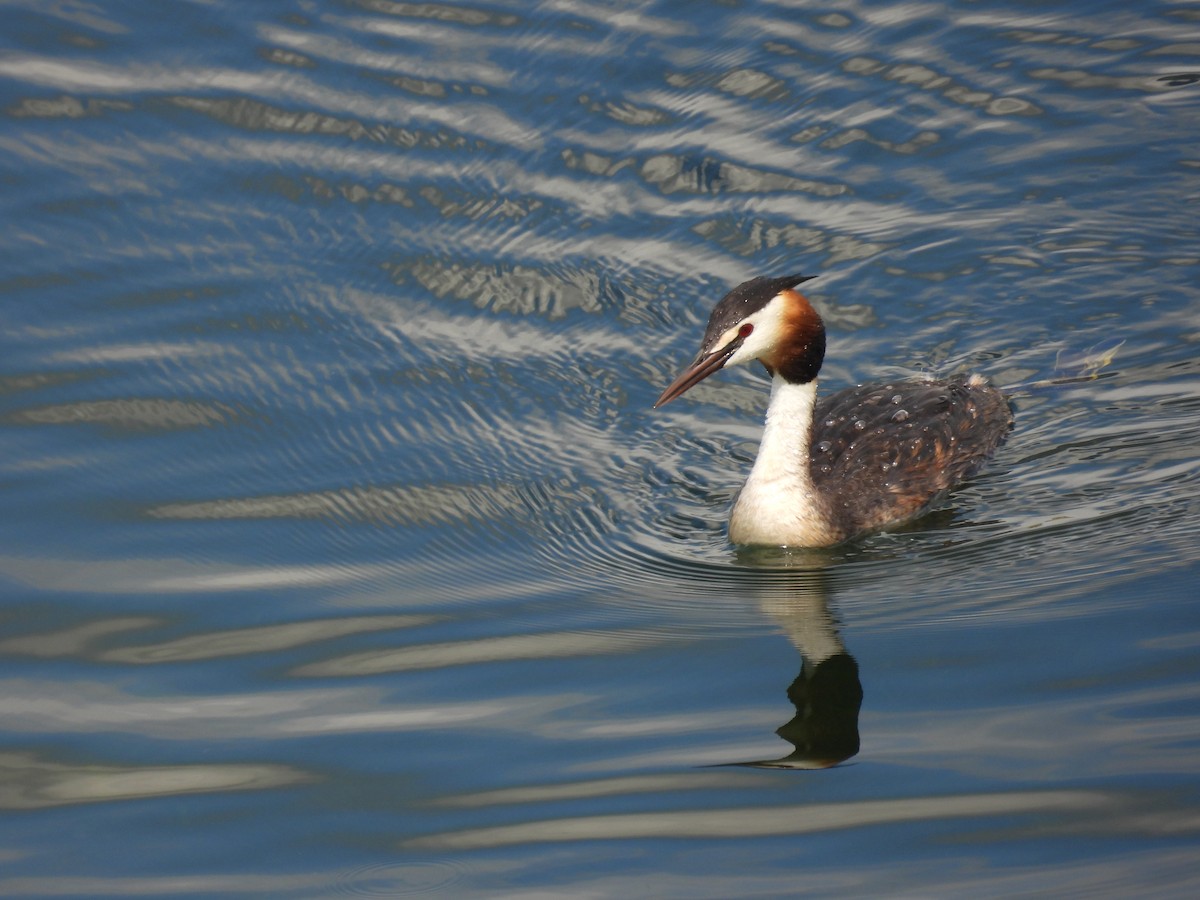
[(744, 331)]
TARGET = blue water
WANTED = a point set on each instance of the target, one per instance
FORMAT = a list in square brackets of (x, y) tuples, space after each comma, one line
[(341, 552)]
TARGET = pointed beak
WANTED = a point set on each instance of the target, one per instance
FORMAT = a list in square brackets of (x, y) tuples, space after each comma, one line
[(703, 366)]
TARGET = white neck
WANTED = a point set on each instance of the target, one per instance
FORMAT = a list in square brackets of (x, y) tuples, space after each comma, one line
[(779, 505)]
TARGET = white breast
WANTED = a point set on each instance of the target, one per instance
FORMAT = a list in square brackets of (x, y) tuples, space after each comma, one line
[(779, 505)]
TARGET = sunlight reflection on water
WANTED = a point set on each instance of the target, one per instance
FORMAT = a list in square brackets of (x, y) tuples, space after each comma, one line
[(334, 503)]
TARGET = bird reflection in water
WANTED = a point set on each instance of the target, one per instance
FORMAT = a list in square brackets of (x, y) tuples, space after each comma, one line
[(827, 693)]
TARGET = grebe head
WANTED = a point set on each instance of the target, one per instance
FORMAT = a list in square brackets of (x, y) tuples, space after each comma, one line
[(763, 319)]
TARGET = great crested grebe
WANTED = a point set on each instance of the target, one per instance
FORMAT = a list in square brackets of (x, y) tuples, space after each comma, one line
[(861, 459)]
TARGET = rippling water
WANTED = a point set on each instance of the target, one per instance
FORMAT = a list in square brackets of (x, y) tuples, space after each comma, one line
[(342, 554)]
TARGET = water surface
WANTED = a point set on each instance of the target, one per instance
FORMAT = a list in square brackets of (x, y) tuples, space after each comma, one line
[(342, 553)]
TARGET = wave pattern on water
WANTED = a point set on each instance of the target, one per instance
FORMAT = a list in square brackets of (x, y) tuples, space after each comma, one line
[(328, 338)]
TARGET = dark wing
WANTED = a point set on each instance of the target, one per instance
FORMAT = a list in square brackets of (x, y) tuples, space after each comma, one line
[(884, 452)]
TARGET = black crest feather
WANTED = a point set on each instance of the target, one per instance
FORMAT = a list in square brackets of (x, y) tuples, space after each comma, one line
[(745, 300)]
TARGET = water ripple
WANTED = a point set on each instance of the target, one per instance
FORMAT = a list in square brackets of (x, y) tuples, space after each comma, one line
[(331, 337), (28, 782)]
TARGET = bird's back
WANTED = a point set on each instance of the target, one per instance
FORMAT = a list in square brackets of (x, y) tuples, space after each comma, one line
[(882, 453)]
